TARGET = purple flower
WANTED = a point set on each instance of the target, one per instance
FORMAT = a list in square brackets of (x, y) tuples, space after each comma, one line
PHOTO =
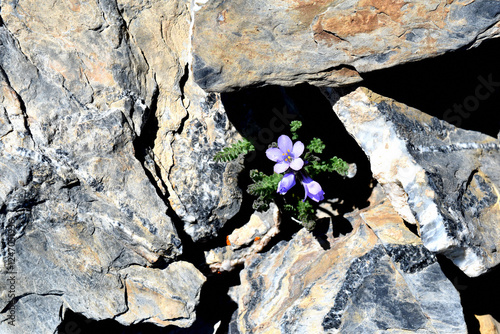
[(287, 182), (312, 188), (286, 155)]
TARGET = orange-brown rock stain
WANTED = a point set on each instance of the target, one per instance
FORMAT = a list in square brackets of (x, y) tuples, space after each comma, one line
[(307, 10), (74, 5), (371, 15)]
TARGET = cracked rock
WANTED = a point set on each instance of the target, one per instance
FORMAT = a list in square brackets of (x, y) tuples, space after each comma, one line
[(76, 206), (441, 177), (163, 297), (243, 43), (191, 125), (376, 279), (245, 241)]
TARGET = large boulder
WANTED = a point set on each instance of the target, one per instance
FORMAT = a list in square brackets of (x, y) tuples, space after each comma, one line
[(94, 111), (443, 178), (375, 279), (243, 43)]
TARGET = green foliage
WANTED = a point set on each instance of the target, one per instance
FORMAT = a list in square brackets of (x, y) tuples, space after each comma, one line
[(332, 165), (264, 188), (306, 214), (316, 146), (235, 150), (294, 126), (304, 211)]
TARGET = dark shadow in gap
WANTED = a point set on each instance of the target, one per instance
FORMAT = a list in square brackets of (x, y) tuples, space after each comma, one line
[(460, 87), (263, 114)]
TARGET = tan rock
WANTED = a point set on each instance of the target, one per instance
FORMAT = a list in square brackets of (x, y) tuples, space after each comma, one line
[(245, 241), (247, 43), (488, 324), (376, 279), (163, 297)]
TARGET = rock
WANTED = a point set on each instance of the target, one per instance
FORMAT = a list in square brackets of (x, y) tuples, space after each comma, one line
[(245, 241), (78, 83), (164, 297), (444, 178), (488, 324), (191, 125), (205, 194), (248, 43), (39, 322), (375, 279)]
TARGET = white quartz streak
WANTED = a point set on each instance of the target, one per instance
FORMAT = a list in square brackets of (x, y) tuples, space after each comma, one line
[(393, 167)]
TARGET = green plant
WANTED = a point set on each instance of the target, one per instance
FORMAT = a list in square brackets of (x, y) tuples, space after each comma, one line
[(287, 156), (241, 147)]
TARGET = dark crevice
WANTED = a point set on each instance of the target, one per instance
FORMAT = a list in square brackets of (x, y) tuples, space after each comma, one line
[(143, 147), (183, 80), (263, 114), (334, 34), (412, 227), (145, 142), (460, 87)]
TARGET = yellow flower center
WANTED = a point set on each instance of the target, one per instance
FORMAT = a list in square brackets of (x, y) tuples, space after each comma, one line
[(288, 157)]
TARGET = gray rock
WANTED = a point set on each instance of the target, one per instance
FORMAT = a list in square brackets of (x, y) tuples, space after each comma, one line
[(444, 178), (191, 125), (77, 208), (376, 279), (205, 193), (29, 319), (245, 241), (327, 43)]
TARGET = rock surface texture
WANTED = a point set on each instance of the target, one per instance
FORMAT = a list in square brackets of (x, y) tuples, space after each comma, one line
[(78, 83), (374, 280), (245, 241), (444, 178), (328, 43), (488, 324), (189, 127), (111, 113)]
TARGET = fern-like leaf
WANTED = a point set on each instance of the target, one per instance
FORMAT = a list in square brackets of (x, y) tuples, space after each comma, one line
[(332, 165), (294, 126), (264, 188), (241, 147), (316, 145)]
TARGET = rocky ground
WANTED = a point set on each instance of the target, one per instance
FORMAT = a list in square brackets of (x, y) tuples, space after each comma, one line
[(115, 218)]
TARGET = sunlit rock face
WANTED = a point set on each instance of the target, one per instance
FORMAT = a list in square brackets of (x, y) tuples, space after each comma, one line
[(78, 205), (374, 279), (327, 43), (441, 177), (111, 113)]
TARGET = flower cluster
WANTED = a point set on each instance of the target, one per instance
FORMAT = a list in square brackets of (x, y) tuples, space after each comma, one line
[(287, 158)]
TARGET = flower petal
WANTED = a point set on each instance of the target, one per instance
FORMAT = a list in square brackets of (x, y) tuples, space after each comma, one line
[(274, 154), (306, 191), (280, 167), (314, 187), (285, 144), (318, 197), (298, 148), (297, 164), (286, 183)]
